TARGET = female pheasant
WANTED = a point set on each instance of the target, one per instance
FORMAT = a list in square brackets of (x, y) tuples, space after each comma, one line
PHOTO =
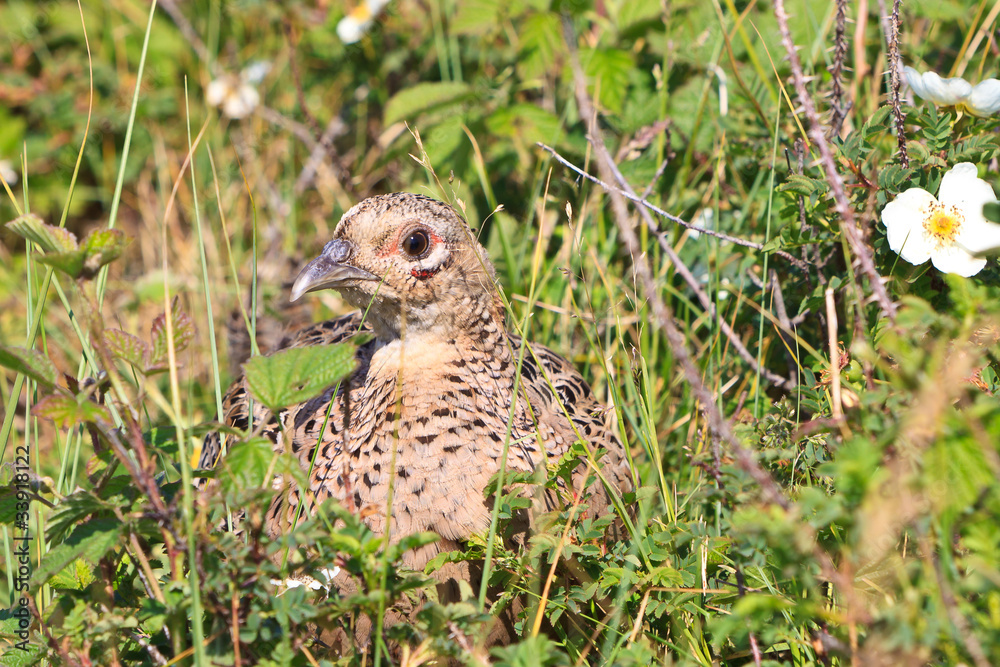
[(428, 407)]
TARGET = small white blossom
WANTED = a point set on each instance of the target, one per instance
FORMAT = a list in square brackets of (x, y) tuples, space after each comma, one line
[(948, 229), (309, 582), (8, 172), (357, 22), (982, 99), (237, 96)]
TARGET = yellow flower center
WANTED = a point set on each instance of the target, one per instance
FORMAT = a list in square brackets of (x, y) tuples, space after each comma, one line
[(361, 13), (943, 224)]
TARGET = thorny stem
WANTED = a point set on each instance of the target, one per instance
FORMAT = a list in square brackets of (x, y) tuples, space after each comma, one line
[(837, 69), (894, 69), (848, 222), (744, 456)]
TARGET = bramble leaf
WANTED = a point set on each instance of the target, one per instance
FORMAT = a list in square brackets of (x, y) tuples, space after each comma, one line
[(415, 100), (292, 376), (48, 237), (90, 541), (127, 347), (183, 331), (68, 411), (30, 363)]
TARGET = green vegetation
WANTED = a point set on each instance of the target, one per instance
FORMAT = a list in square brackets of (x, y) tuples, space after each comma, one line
[(818, 448)]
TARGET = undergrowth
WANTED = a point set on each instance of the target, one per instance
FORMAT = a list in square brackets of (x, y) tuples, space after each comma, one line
[(813, 421)]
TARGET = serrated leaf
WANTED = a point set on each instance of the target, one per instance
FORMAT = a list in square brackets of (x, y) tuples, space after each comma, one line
[(802, 185), (608, 70), (50, 239), (68, 411), (90, 541), (127, 347), (30, 363), (295, 375), (71, 263), (77, 576), (894, 177), (540, 37), (9, 504), (183, 329), (879, 121), (410, 102), (102, 246)]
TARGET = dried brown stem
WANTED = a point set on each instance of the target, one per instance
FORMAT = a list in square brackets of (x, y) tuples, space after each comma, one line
[(848, 222)]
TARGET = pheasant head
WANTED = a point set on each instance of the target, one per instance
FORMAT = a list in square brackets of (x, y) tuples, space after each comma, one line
[(412, 263)]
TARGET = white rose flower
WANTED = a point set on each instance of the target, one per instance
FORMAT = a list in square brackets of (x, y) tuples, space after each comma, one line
[(948, 229), (237, 95), (983, 99), (357, 22)]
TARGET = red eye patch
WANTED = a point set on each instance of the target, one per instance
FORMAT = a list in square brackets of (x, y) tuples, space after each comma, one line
[(424, 274)]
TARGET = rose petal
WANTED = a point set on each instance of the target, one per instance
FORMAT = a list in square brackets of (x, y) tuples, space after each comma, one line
[(904, 218), (963, 189), (984, 238), (217, 91), (952, 259), (931, 87), (985, 98), (242, 102), (351, 29)]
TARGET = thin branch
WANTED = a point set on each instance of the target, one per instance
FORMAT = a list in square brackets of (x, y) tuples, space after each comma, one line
[(334, 129), (706, 303), (716, 421), (848, 223), (629, 194)]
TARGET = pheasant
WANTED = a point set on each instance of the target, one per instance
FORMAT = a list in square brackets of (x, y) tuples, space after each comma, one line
[(428, 408)]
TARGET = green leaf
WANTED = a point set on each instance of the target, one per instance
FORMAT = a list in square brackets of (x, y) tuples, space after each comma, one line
[(62, 251), (292, 376), (30, 363), (541, 41), (127, 347), (71, 263), (476, 17), (77, 576), (50, 239), (68, 411), (89, 541), (410, 102), (247, 464), (879, 121), (102, 246), (802, 185), (608, 72), (991, 211), (183, 330)]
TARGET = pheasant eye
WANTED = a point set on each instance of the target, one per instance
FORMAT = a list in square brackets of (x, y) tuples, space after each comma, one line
[(416, 243)]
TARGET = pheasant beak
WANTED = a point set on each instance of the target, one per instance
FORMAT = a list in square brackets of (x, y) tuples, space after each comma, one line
[(328, 270)]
